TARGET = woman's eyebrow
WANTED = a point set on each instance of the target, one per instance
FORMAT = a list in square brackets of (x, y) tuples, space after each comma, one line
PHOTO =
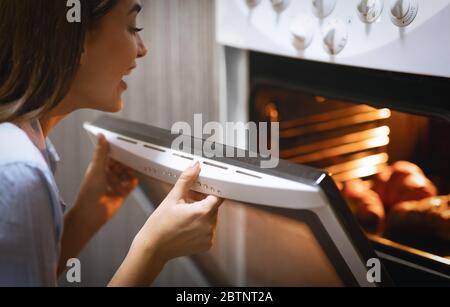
[(136, 8)]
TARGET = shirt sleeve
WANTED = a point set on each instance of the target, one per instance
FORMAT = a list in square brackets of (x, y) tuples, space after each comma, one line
[(28, 242)]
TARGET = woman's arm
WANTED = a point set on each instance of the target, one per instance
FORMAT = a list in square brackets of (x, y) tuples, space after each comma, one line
[(79, 227), (175, 229), (104, 189), (140, 268)]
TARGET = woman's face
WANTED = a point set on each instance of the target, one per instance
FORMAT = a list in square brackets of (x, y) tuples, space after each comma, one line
[(110, 53)]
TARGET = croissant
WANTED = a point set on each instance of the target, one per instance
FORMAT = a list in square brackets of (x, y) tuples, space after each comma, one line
[(403, 181), (428, 217), (366, 204)]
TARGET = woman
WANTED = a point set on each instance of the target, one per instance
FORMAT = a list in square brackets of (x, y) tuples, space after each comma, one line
[(50, 68)]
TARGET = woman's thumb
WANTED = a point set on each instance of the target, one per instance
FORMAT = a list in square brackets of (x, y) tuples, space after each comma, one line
[(185, 182)]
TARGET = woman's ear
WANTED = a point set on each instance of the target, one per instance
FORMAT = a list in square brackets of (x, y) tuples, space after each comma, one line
[(84, 53), (89, 40), (83, 57)]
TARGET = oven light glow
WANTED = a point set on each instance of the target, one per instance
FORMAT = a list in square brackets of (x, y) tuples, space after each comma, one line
[(374, 160), (365, 171), (343, 149), (320, 99), (436, 202), (378, 142)]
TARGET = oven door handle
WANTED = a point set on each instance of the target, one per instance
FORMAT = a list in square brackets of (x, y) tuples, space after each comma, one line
[(216, 178)]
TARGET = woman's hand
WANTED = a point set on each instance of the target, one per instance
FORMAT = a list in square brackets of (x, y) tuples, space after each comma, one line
[(106, 185), (103, 191), (177, 228)]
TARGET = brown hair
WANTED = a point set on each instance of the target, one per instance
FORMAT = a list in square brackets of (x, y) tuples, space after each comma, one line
[(40, 53)]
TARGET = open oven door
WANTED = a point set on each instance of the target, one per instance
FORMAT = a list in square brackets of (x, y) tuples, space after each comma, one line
[(286, 226)]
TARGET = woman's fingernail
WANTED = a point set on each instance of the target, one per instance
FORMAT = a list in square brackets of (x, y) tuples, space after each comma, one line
[(193, 165), (100, 138)]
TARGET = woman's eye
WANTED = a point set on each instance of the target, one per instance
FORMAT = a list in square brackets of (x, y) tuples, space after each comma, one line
[(136, 30)]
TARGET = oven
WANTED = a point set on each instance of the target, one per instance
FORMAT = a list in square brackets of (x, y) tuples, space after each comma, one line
[(339, 130), (356, 87)]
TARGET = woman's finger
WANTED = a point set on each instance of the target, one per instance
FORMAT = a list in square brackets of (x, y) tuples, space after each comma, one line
[(211, 203), (102, 150), (123, 171), (185, 182), (196, 196), (120, 186), (115, 187), (120, 173)]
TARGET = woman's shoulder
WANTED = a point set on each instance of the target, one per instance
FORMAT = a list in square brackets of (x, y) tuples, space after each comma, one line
[(23, 169), (27, 186), (21, 180), (24, 182), (17, 148)]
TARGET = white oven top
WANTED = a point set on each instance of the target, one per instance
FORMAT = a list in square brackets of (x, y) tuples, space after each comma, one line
[(409, 36)]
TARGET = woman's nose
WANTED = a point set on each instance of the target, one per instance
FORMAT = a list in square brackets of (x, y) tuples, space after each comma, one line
[(142, 50)]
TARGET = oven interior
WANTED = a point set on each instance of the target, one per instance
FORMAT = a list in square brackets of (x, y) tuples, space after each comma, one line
[(360, 126), (352, 141)]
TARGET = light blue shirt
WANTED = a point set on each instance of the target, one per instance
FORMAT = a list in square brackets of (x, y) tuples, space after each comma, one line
[(31, 211)]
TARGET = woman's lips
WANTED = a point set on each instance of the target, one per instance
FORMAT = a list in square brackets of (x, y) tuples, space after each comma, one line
[(130, 70), (124, 85)]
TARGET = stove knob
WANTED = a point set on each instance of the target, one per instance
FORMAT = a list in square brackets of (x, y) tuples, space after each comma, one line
[(252, 3), (323, 8), (369, 10), (403, 12), (335, 37), (302, 30), (280, 5)]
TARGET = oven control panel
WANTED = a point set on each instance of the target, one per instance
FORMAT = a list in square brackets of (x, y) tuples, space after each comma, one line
[(408, 36)]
